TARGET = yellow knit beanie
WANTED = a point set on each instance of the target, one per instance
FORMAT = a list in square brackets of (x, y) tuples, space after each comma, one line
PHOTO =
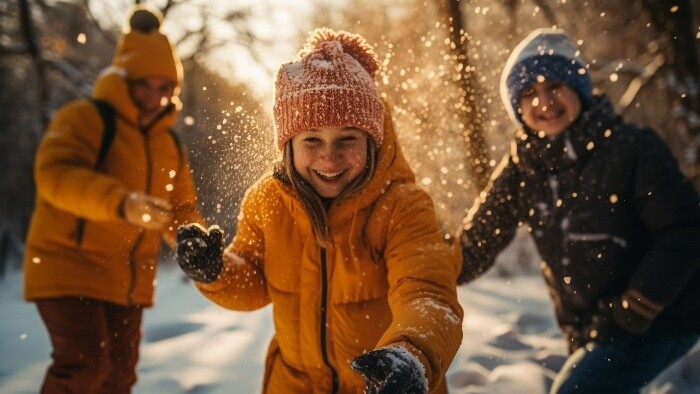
[(144, 51)]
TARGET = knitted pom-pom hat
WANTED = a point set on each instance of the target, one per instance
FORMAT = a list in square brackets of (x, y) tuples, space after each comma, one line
[(330, 85), (547, 53), (143, 50)]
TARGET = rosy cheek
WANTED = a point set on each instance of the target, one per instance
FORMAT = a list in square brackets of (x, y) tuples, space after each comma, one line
[(359, 159)]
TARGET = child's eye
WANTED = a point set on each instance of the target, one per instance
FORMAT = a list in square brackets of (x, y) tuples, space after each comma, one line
[(347, 141), (165, 88), (311, 141), (528, 93)]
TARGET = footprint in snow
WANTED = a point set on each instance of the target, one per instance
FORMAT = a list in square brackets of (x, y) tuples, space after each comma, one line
[(471, 374), (489, 361), (509, 341), (167, 331), (533, 324)]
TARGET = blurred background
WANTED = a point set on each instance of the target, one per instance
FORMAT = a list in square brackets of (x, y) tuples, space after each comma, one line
[(441, 65)]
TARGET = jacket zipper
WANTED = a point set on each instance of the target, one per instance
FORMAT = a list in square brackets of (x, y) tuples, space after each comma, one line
[(324, 313), (132, 267), (132, 253)]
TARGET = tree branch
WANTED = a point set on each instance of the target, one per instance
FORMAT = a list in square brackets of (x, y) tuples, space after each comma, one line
[(636, 85)]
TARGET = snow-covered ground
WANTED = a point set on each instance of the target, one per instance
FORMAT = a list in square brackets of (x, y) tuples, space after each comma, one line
[(511, 342)]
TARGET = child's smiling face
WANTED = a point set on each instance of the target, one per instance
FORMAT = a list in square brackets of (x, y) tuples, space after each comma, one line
[(549, 106), (151, 94), (330, 158)]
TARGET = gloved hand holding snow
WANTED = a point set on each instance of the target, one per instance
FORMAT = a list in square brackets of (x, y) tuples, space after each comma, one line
[(629, 314), (200, 251), (391, 370), (143, 210)]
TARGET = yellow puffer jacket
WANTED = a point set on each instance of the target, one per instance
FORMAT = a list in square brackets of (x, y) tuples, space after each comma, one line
[(109, 259), (388, 279)]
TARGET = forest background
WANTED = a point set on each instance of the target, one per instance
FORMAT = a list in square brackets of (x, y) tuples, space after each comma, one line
[(441, 66)]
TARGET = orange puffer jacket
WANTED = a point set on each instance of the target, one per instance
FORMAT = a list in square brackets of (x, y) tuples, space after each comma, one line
[(109, 259), (388, 279)]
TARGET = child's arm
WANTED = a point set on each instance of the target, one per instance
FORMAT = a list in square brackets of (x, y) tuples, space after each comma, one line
[(669, 206), (422, 271), (490, 224), (64, 166), (241, 285)]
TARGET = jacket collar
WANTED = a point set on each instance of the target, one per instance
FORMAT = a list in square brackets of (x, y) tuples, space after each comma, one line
[(111, 86), (573, 146)]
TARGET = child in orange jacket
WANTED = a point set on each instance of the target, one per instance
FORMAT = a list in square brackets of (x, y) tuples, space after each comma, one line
[(339, 239), (103, 207)]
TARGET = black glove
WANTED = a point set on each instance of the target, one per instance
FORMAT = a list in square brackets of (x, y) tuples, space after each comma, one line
[(635, 312), (390, 370), (629, 314), (574, 338), (200, 251), (603, 328)]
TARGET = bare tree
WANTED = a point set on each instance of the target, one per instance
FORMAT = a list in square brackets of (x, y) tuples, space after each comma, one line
[(34, 50), (512, 7), (471, 107), (675, 23)]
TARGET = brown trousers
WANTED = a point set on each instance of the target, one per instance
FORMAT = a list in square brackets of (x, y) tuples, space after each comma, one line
[(95, 345)]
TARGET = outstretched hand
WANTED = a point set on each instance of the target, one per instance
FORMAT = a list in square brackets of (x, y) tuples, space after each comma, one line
[(146, 211), (628, 314), (391, 370), (603, 328), (200, 251)]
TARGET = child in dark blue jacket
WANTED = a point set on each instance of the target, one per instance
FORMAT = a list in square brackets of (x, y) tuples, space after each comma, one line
[(615, 221)]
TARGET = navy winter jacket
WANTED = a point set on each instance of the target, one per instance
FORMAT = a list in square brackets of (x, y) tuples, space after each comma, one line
[(608, 209)]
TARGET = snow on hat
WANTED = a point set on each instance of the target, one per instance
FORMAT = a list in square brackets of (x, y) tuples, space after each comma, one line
[(547, 53), (330, 84), (143, 50)]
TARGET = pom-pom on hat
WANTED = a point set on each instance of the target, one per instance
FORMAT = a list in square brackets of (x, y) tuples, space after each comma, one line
[(331, 84), (547, 53), (143, 50)]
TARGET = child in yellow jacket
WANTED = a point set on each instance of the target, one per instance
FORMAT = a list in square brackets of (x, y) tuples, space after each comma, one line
[(339, 239), (103, 206)]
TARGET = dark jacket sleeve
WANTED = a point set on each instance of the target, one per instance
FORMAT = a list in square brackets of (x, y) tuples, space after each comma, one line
[(491, 222), (669, 206)]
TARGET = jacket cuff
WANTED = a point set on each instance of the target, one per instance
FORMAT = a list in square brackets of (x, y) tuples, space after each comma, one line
[(428, 373), (120, 208), (635, 312)]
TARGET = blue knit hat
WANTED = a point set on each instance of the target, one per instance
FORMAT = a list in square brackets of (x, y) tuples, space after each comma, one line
[(547, 53)]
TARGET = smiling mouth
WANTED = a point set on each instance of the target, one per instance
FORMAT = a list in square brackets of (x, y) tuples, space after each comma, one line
[(329, 176), (554, 115)]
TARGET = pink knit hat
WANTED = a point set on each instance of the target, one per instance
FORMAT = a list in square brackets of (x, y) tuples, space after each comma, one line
[(331, 84)]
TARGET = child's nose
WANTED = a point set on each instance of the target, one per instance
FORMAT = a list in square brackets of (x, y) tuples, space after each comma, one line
[(547, 97), (331, 153)]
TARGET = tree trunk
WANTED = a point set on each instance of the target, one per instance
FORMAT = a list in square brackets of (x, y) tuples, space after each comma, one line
[(675, 22), (30, 37), (476, 149)]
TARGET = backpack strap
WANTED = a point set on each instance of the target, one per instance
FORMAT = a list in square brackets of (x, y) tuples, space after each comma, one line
[(108, 116)]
